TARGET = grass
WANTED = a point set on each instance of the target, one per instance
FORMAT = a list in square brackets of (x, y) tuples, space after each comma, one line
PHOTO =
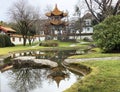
[(6, 50), (96, 54), (68, 44), (105, 77), (62, 45)]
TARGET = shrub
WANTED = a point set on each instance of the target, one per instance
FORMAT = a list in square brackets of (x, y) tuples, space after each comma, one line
[(87, 39), (68, 40), (107, 34), (5, 41), (49, 43), (2, 41)]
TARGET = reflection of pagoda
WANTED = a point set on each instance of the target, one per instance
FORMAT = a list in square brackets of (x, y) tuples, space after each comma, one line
[(58, 74), (58, 26)]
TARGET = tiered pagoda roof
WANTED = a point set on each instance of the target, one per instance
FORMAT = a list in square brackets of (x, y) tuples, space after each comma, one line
[(60, 14), (56, 12), (56, 22)]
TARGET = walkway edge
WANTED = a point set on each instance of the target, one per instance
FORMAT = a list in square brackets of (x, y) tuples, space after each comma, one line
[(90, 59)]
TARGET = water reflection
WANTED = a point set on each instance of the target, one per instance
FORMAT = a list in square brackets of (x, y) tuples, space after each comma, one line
[(30, 78), (51, 55), (25, 79), (57, 74)]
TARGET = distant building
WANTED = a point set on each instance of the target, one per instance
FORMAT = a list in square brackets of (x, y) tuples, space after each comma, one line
[(87, 23), (17, 38), (81, 28), (6, 30)]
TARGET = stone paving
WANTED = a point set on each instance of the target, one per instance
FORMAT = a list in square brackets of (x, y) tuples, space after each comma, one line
[(90, 59)]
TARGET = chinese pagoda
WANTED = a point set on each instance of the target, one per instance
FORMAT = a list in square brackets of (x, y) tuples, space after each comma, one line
[(58, 24), (58, 74)]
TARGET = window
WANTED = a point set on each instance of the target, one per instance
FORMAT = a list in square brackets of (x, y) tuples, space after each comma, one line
[(20, 39), (88, 29), (13, 39), (87, 22)]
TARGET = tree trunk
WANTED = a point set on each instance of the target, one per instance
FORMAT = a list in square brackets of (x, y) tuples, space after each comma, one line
[(24, 40), (29, 39)]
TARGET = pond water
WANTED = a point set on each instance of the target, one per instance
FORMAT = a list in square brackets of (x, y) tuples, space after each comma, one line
[(40, 79)]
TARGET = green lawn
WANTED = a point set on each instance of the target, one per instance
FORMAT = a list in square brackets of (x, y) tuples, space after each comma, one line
[(6, 50), (96, 55), (105, 77), (62, 45)]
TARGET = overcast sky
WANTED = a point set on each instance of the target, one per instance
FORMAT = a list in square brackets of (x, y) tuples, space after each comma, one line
[(63, 5)]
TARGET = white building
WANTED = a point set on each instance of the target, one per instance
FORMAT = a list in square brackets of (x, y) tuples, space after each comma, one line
[(87, 28), (18, 39)]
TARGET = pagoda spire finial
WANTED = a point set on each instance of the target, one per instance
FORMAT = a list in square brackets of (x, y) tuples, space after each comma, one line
[(56, 6)]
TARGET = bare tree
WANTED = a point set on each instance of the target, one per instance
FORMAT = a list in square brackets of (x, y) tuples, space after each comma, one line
[(25, 16), (80, 10), (101, 9), (48, 8)]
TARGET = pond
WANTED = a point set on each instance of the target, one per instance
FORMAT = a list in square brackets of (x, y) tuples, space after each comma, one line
[(29, 78)]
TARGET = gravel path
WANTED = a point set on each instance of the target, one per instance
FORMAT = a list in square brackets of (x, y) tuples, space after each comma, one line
[(90, 59)]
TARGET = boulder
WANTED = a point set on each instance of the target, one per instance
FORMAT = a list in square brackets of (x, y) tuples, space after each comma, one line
[(46, 62), (24, 58), (33, 62)]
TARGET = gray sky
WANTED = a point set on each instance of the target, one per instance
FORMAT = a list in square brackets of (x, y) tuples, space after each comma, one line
[(63, 5)]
